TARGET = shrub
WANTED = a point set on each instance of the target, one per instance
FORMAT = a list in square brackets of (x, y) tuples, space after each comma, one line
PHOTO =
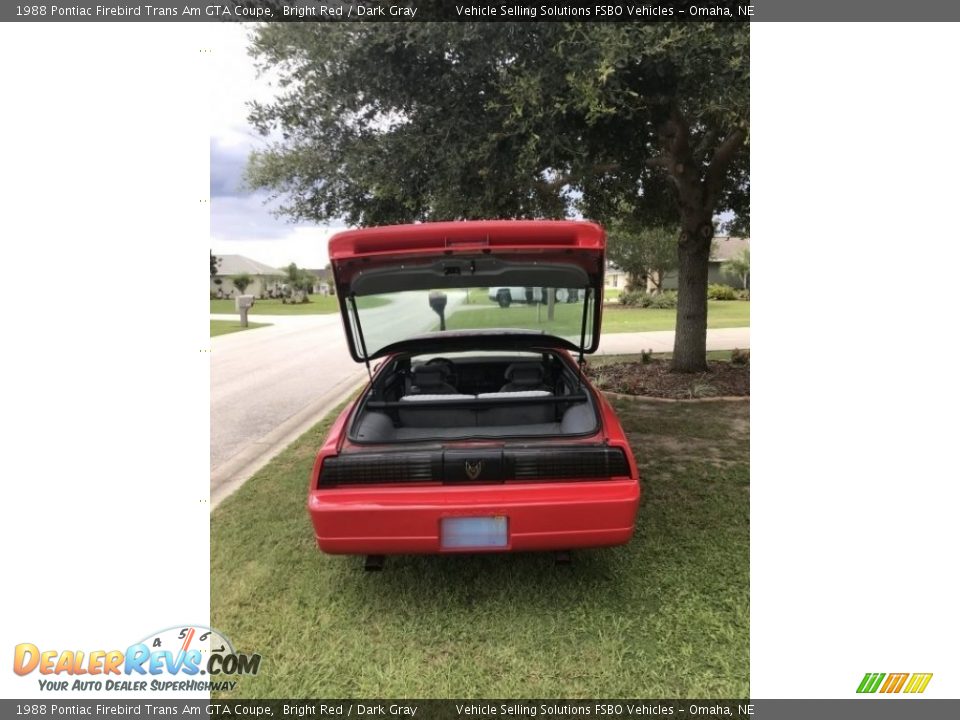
[(633, 298), (743, 294), (718, 291), (666, 300), (636, 298), (646, 356)]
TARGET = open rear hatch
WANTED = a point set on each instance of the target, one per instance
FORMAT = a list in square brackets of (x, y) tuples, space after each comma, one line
[(481, 285)]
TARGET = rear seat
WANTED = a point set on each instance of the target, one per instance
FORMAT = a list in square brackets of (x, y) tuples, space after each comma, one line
[(429, 383), (524, 379), (436, 416), (526, 414), (439, 421)]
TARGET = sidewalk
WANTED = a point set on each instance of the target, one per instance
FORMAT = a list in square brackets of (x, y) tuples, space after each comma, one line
[(662, 341), (314, 319)]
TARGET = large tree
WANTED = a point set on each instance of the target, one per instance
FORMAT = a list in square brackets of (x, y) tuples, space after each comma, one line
[(396, 122), (643, 251)]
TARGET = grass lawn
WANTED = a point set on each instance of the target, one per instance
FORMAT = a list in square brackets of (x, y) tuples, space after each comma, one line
[(720, 314), (665, 616), (611, 294), (223, 327), (318, 305), (478, 296), (567, 318)]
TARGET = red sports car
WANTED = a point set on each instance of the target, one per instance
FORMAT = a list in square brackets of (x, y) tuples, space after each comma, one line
[(478, 431)]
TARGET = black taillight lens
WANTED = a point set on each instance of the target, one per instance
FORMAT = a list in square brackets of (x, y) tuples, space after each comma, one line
[(567, 463), (527, 463), (379, 468)]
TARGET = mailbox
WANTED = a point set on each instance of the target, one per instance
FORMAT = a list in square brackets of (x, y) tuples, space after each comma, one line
[(243, 303), (438, 301)]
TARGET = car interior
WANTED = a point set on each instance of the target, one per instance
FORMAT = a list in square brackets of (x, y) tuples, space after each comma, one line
[(474, 396)]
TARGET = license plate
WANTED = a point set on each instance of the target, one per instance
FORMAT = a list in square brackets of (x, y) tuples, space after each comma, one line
[(473, 532)]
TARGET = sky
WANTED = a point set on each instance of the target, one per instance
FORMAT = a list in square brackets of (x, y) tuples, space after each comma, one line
[(241, 222)]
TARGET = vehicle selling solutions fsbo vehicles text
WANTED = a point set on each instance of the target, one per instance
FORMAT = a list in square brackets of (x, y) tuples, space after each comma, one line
[(535, 11)]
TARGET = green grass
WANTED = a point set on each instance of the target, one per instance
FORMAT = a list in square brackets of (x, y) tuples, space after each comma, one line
[(224, 327), (479, 296), (567, 318), (318, 305), (719, 315), (611, 294), (665, 616)]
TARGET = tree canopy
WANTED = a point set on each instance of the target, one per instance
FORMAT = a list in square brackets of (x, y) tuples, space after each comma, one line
[(643, 250), (380, 123), (241, 282), (739, 266)]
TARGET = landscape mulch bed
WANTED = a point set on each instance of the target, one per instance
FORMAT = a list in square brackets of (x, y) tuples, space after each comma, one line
[(654, 379)]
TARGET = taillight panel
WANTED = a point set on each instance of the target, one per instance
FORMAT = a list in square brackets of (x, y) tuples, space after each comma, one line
[(483, 466)]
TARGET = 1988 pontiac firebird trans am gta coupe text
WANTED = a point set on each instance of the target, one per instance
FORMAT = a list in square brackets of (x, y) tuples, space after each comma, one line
[(477, 432)]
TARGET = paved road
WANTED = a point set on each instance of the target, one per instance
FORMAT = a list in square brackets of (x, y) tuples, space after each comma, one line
[(268, 385)]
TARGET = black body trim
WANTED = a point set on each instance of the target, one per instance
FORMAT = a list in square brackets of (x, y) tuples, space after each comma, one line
[(481, 466)]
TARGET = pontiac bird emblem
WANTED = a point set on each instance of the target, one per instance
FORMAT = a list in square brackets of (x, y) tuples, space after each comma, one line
[(473, 468)]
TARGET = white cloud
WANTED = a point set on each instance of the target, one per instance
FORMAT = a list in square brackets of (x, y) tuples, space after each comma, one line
[(235, 84), (240, 222)]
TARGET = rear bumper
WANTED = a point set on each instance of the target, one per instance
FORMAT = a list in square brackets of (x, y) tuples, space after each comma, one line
[(541, 516)]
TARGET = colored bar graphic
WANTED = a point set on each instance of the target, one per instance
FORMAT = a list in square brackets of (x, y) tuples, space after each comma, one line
[(903, 679), (870, 682), (894, 682), (918, 682), (915, 683)]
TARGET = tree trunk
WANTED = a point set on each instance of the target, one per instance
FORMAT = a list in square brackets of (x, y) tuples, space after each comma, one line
[(698, 190), (690, 339)]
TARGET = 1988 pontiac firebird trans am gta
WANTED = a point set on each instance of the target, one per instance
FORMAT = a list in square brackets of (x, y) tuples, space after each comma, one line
[(477, 432)]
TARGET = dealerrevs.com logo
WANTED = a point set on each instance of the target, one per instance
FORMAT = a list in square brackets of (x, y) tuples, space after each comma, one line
[(894, 683), (182, 658)]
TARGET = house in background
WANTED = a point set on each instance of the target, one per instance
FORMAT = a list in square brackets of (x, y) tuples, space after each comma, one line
[(323, 285), (264, 277), (724, 249), (614, 278)]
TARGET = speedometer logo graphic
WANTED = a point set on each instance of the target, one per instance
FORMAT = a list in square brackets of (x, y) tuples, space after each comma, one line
[(181, 639)]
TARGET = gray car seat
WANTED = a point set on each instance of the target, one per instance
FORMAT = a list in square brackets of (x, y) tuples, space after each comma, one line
[(523, 377), (430, 380)]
